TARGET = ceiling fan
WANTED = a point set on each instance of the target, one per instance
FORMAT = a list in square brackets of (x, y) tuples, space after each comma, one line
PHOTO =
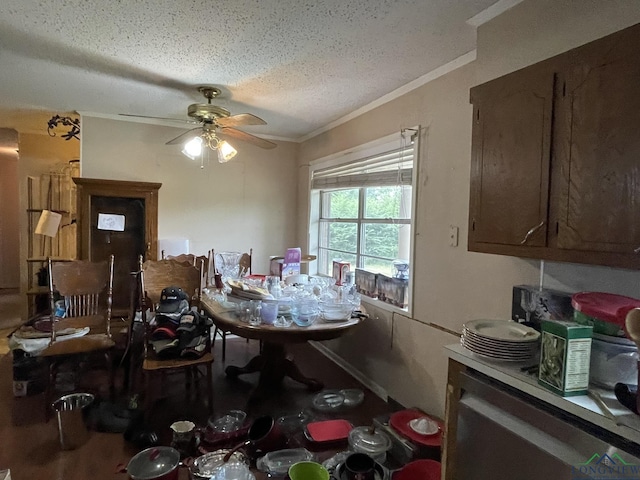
[(213, 121)]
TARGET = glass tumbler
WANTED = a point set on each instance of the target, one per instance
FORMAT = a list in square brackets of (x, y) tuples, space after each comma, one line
[(244, 311), (255, 309)]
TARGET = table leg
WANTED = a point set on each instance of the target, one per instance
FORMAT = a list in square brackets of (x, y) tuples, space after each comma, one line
[(255, 365), (273, 365)]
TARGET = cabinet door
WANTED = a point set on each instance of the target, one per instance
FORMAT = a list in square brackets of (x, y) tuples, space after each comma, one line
[(510, 159), (598, 131)]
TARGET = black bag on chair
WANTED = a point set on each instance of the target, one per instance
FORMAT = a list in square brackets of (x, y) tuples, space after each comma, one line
[(193, 333)]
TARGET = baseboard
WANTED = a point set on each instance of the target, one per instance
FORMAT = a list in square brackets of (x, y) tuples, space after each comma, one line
[(351, 370)]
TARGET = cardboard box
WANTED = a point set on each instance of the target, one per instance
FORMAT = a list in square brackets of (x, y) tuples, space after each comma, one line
[(545, 304), (291, 265), (393, 290), (277, 264), (366, 283), (340, 270), (565, 355)]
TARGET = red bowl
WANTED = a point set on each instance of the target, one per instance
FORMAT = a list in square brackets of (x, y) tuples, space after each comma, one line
[(422, 469)]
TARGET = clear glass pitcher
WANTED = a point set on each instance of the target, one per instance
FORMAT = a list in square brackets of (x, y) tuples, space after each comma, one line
[(228, 264)]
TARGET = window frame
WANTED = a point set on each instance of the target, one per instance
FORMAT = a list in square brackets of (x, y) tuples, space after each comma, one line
[(384, 144), (361, 222)]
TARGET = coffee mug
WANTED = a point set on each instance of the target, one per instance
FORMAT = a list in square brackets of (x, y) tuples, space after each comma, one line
[(308, 471), (359, 466)]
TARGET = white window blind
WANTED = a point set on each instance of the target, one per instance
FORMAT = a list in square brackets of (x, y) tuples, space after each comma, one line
[(394, 167)]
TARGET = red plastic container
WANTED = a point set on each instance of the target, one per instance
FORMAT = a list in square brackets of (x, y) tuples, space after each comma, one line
[(605, 310), (420, 469), (328, 431)]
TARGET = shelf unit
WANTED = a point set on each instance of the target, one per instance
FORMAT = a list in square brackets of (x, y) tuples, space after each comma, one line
[(56, 192)]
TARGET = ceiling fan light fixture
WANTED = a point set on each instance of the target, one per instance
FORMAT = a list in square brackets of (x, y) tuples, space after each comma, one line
[(225, 151), (193, 148)]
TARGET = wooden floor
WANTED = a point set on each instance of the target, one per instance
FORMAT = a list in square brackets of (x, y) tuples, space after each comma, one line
[(30, 449)]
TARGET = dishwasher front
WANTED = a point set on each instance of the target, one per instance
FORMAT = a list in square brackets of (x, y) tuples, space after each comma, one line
[(505, 434)]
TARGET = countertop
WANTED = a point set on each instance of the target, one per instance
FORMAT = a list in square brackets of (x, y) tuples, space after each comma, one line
[(627, 424)]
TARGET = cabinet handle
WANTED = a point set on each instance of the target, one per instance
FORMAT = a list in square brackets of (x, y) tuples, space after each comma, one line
[(531, 232), (636, 250)]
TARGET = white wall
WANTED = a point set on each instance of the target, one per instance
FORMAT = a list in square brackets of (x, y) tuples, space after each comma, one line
[(405, 356), (249, 202), (9, 221)]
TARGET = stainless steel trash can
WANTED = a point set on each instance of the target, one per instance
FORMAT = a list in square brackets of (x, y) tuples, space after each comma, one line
[(70, 412)]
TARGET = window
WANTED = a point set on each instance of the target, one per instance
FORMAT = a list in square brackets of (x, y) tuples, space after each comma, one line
[(364, 208)]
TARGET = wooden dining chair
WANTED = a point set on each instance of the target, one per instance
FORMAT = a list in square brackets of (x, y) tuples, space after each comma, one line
[(154, 276), (245, 263), (244, 269), (192, 259), (86, 290)]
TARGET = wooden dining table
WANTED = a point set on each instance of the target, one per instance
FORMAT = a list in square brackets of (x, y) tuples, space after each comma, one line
[(273, 362)]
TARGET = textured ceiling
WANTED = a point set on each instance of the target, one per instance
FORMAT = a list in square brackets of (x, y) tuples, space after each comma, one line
[(298, 64)]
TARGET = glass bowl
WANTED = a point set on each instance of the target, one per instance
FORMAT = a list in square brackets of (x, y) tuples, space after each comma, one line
[(233, 471), (336, 311), (230, 422), (277, 463), (328, 400), (305, 313), (204, 467)]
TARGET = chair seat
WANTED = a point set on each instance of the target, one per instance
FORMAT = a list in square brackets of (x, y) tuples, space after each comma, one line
[(86, 344), (95, 322), (151, 363)]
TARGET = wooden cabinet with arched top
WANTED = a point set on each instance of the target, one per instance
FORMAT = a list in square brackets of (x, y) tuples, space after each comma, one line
[(120, 218)]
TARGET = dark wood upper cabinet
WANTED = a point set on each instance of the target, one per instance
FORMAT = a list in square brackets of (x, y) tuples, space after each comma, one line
[(555, 169), (510, 167), (598, 147)]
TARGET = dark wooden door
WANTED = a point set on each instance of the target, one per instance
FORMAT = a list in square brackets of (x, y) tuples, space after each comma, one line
[(125, 245), (511, 158), (598, 150), (138, 202)]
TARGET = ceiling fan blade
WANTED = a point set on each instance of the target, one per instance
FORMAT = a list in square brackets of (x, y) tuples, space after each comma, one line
[(186, 136), (247, 137), (240, 119), (177, 120)]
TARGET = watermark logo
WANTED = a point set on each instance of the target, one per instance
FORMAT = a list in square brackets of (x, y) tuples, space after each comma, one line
[(605, 467)]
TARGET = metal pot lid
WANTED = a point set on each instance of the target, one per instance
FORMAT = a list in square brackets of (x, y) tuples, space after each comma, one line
[(368, 440), (205, 465), (153, 462)]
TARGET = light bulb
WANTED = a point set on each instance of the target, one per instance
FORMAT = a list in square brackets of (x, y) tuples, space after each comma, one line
[(225, 151), (193, 148)]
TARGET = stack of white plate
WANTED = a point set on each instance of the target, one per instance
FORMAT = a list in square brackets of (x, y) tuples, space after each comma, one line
[(501, 340)]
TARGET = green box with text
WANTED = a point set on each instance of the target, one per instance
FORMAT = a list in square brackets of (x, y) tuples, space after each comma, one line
[(564, 357)]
